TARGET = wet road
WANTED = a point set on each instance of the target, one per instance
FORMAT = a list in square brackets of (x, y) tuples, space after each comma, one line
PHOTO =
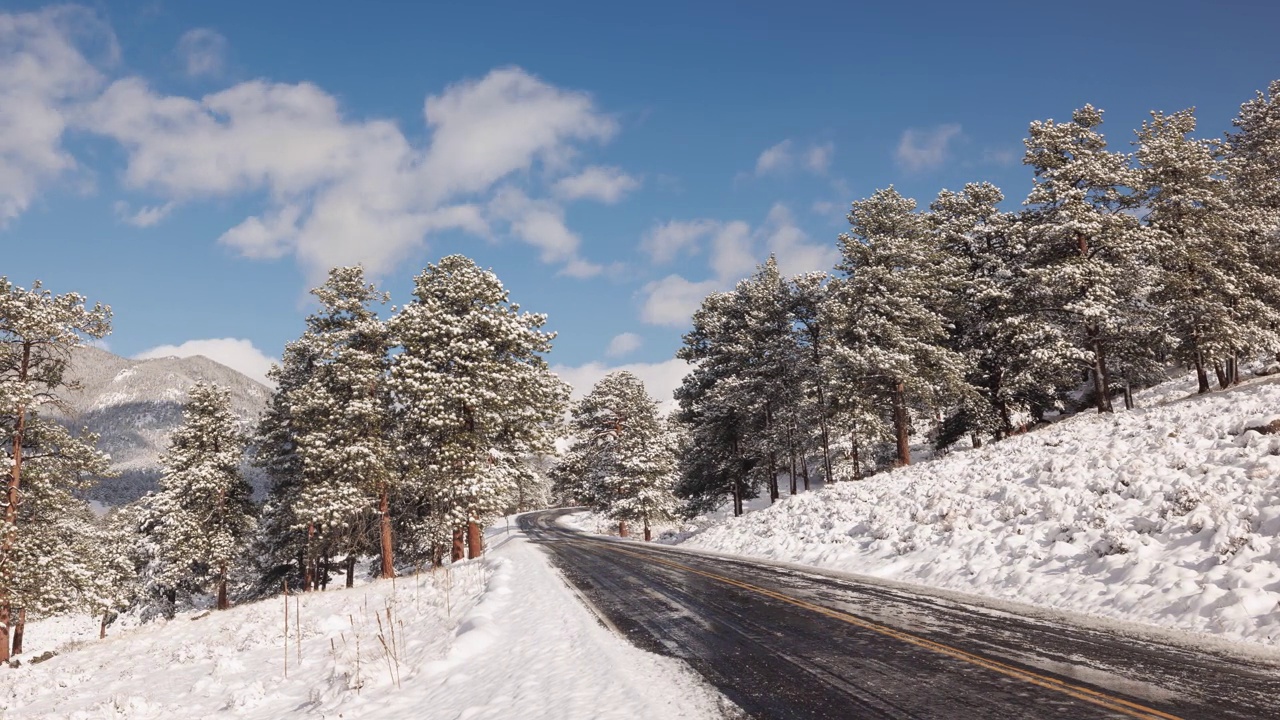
[(782, 643)]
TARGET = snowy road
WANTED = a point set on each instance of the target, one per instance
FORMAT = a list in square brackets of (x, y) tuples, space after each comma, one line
[(788, 644)]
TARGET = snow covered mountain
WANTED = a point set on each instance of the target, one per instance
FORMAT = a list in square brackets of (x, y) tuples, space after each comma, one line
[(133, 405)]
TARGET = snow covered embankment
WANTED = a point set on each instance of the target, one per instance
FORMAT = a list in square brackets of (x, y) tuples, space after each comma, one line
[(501, 637), (1167, 515)]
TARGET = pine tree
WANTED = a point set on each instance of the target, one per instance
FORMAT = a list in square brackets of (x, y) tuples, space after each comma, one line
[(203, 511), (1252, 155), (812, 338), (886, 315), (1091, 263), (623, 456), (1014, 365), (38, 331), (1207, 272), (474, 397)]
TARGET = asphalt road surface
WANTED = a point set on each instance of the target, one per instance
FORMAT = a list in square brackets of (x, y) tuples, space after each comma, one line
[(782, 643)]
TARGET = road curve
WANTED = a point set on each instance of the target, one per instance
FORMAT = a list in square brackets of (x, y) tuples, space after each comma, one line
[(781, 643)]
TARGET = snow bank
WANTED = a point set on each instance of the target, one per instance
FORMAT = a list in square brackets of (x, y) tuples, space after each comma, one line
[(496, 638), (1167, 515)]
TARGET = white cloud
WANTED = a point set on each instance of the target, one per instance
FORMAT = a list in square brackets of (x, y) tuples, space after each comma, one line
[(606, 184), (672, 300), (792, 247), (925, 149), (663, 243), (818, 158), (785, 156), (825, 207), (540, 223), (43, 71), (734, 250), (143, 217), (775, 159), (623, 344), (660, 379), (343, 191), (237, 354), (203, 52)]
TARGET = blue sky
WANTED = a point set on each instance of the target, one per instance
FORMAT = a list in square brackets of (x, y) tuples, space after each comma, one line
[(198, 165)]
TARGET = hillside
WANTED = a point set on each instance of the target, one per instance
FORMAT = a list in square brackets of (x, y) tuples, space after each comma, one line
[(1167, 514), (134, 404)]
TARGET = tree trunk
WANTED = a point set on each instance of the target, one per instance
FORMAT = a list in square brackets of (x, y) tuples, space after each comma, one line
[(804, 470), (1223, 382), (826, 440), (18, 629), (773, 477), (1128, 393), (737, 497), (977, 440), (384, 509), (102, 628), (222, 588), (648, 535), (459, 551), (854, 454), (900, 423), (791, 452), (1202, 377), (4, 632), (351, 571), (1234, 372), (1101, 395), (622, 528), (475, 540)]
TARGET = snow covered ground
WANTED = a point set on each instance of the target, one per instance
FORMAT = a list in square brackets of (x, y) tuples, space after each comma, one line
[(500, 637), (1167, 515)]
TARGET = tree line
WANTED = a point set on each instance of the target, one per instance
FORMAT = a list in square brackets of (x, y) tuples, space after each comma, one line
[(396, 440), (981, 321)]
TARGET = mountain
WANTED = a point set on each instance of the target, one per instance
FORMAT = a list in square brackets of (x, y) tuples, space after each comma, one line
[(133, 405)]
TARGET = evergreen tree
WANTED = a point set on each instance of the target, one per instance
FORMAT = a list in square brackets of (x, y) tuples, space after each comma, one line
[(474, 398), (1090, 267), (886, 315), (203, 512), (623, 455), (812, 338), (1252, 154), (38, 331), (1015, 365), (1208, 274)]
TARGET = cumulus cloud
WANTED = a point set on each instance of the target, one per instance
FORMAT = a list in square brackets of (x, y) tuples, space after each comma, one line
[(237, 354), (541, 224), (664, 242), (733, 249), (203, 52), (143, 217), (925, 149), (623, 344), (818, 158), (785, 156), (660, 379), (775, 159), (44, 72), (605, 184), (343, 191)]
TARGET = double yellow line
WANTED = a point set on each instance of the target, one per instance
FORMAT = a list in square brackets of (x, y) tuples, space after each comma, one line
[(1110, 702)]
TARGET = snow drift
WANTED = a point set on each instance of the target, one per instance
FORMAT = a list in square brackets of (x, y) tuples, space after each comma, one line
[(1167, 514)]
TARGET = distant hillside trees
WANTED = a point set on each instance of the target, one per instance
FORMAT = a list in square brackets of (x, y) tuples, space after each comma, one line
[(964, 320), (622, 461), (48, 559)]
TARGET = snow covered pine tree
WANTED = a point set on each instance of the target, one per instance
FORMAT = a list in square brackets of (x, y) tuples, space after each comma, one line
[(623, 455), (203, 511), (47, 563), (474, 399)]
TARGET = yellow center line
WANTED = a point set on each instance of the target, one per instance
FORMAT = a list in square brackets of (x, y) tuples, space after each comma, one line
[(1109, 702)]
